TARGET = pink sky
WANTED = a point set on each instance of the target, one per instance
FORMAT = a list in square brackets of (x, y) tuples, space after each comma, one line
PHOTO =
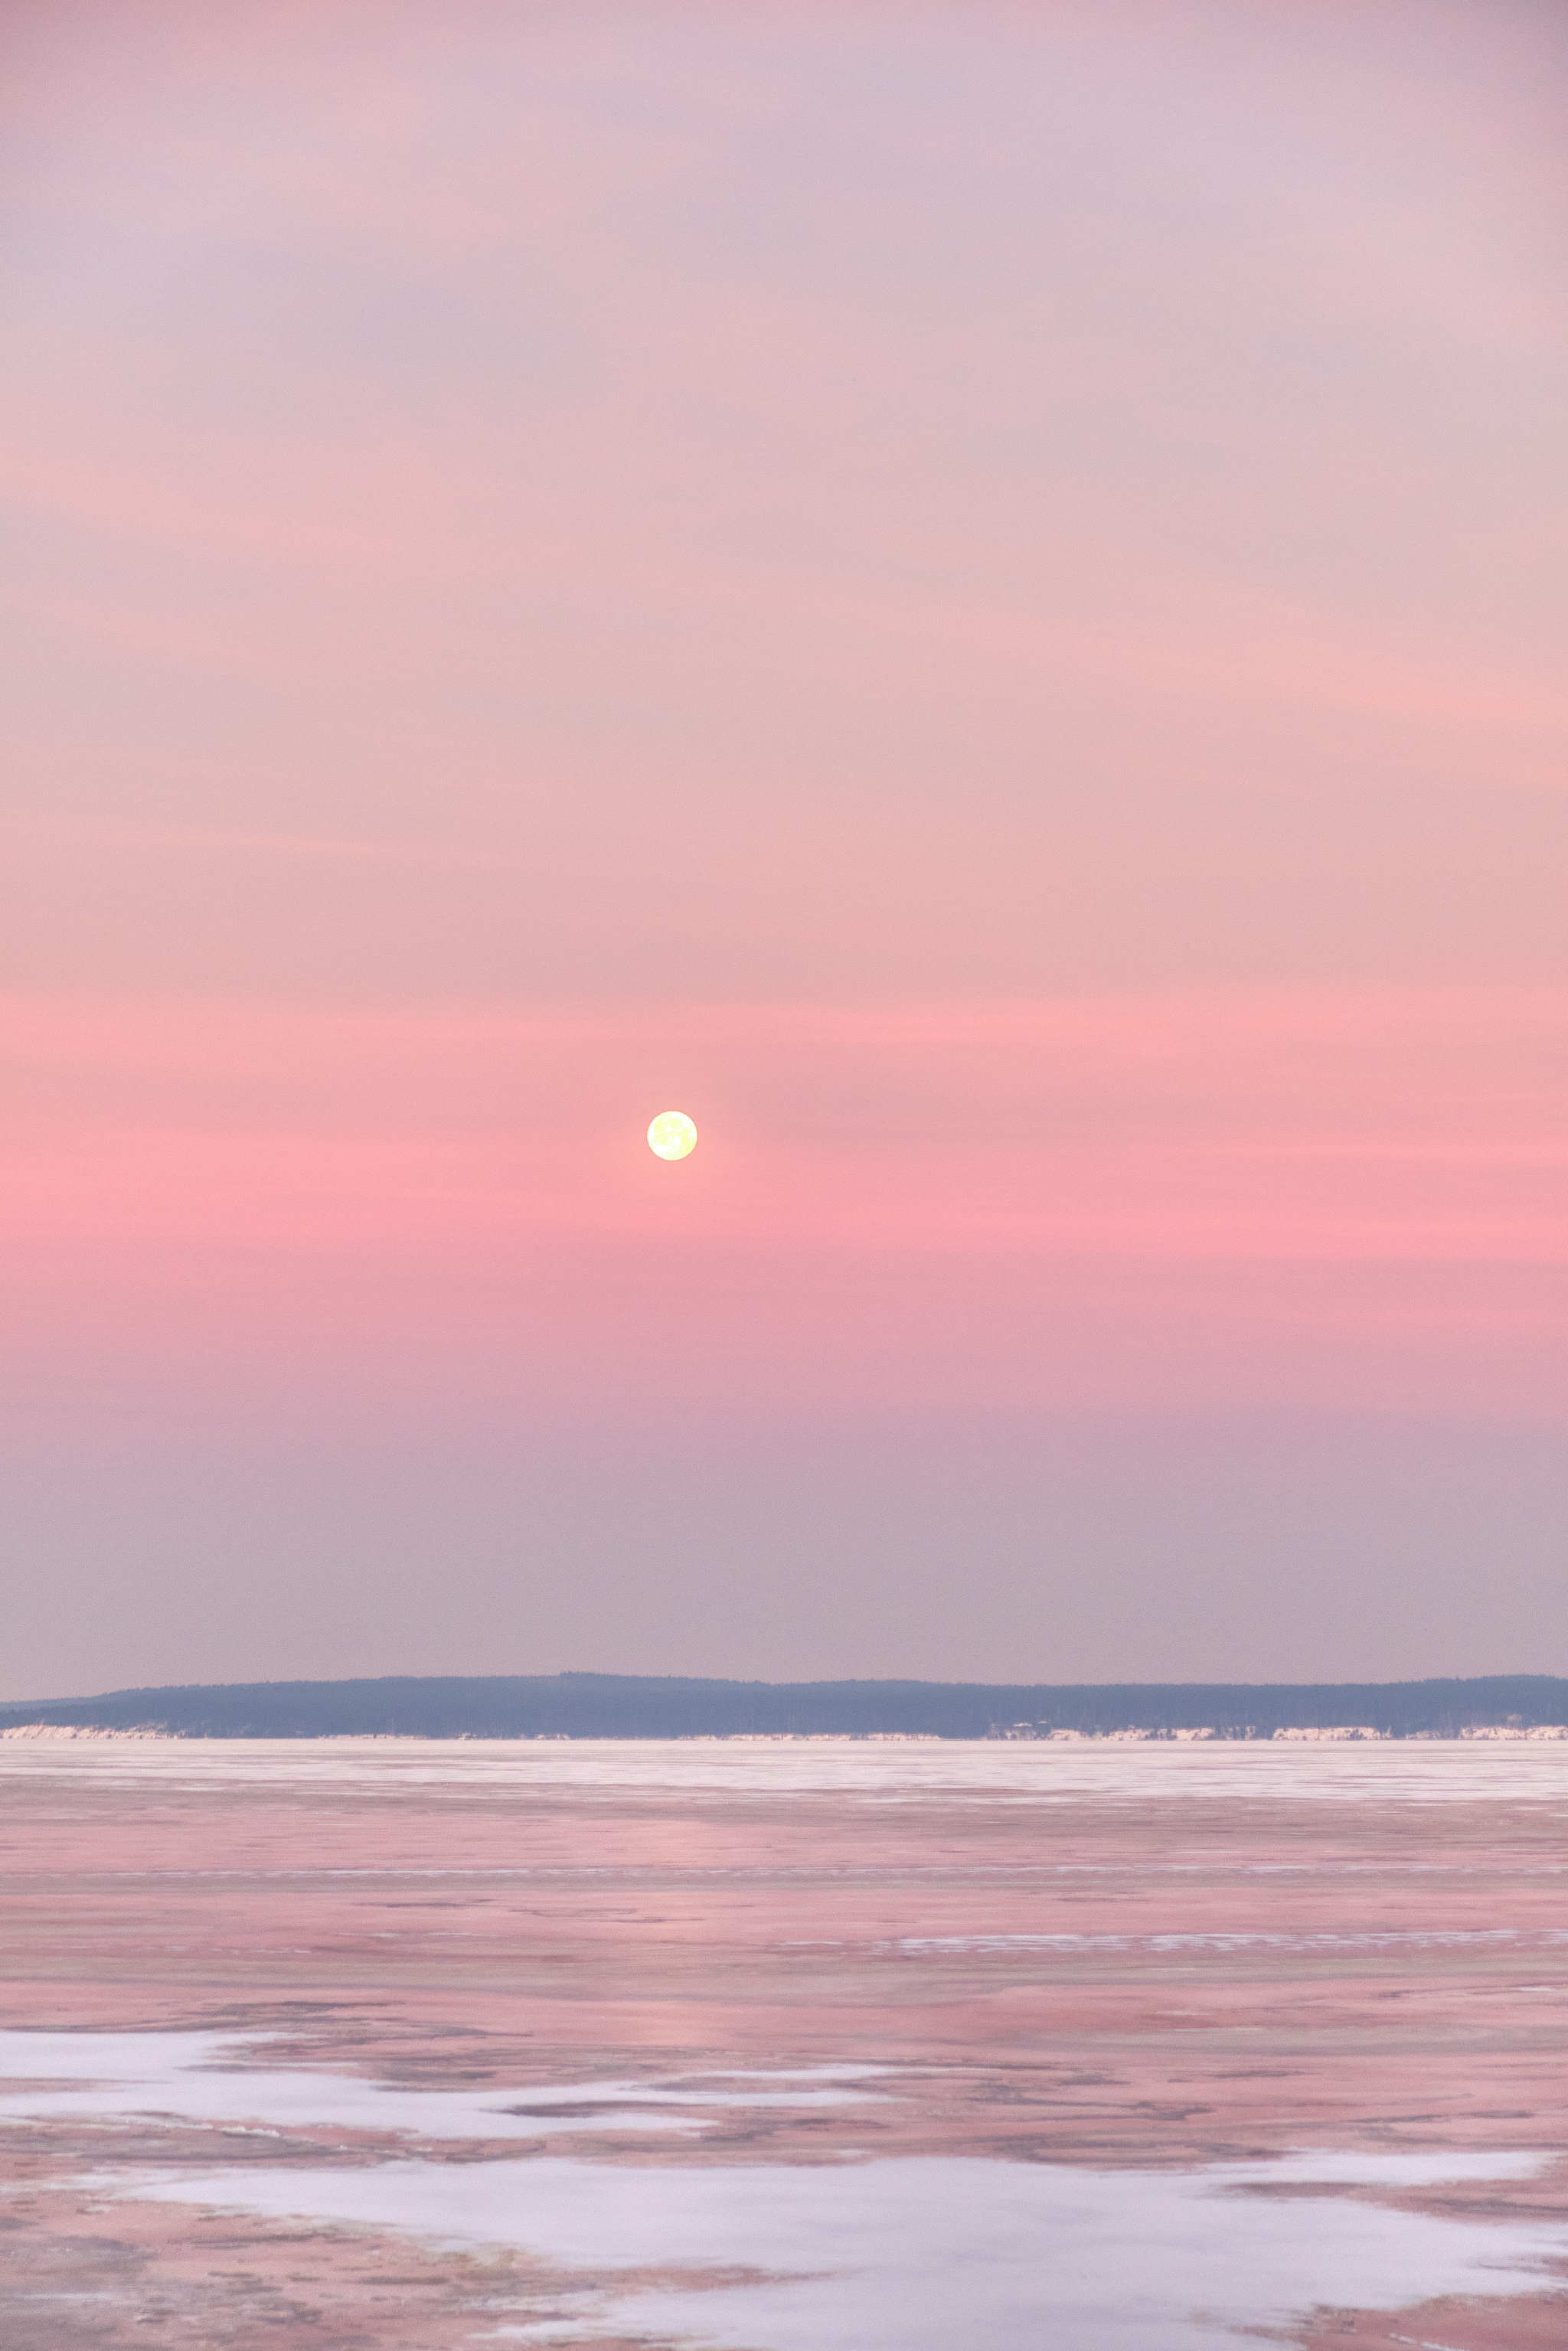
[(973, 596)]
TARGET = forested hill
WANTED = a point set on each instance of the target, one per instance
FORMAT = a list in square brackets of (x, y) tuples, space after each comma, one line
[(615, 1706)]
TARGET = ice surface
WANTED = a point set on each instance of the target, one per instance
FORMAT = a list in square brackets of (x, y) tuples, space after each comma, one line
[(910, 2253), (919, 2255), (890, 2245), (213, 2078), (1003, 1770)]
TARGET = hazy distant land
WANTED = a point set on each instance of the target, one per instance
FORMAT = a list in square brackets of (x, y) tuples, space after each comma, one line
[(615, 1706)]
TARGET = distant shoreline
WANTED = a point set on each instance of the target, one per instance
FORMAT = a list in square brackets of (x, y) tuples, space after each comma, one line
[(578, 1706)]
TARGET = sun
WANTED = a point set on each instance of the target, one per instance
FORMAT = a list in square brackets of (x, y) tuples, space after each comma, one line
[(672, 1135)]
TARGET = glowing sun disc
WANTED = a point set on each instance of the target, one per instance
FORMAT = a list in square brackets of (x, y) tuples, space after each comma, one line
[(672, 1135)]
